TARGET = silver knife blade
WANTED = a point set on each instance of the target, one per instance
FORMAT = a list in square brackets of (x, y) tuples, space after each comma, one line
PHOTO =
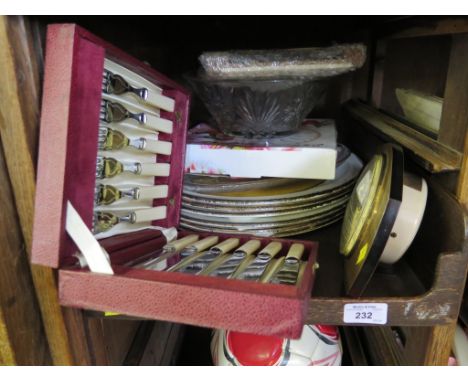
[(196, 262), (256, 268), (288, 272), (200, 263), (229, 266), (169, 250), (225, 266)]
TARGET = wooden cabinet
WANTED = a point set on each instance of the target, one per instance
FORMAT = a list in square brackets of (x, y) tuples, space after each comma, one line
[(426, 54), (424, 292)]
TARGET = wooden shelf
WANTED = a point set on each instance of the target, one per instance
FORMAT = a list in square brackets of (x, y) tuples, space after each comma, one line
[(417, 293), (438, 306), (423, 289), (413, 27)]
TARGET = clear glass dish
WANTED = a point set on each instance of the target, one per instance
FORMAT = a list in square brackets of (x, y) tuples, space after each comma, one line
[(258, 107)]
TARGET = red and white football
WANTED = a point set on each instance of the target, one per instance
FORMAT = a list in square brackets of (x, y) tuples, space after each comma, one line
[(319, 345)]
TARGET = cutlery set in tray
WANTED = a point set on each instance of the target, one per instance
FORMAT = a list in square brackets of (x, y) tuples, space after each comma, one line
[(129, 148), (118, 160), (275, 262)]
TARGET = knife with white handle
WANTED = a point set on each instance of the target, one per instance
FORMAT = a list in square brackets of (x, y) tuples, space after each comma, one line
[(227, 264), (195, 263), (289, 270), (149, 261), (255, 268)]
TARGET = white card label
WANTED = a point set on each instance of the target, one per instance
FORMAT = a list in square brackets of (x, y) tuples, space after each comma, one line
[(365, 313)]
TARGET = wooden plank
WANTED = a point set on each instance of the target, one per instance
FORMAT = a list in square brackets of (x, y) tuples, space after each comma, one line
[(73, 339), (455, 112), (444, 212), (416, 341), (139, 343), (424, 26), (85, 338), (454, 119), (439, 306), (354, 346), (27, 55), (20, 165), (163, 344), (107, 339), (18, 132), (453, 132), (462, 195), (384, 350), (14, 132), (118, 334), (462, 122), (431, 154), (429, 346), (417, 64), (20, 310), (97, 344), (440, 345), (7, 353), (462, 188)]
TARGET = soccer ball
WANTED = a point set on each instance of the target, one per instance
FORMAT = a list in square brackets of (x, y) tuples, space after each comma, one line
[(319, 345)]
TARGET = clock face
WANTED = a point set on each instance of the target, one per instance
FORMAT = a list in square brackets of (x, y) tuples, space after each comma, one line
[(370, 216), (361, 204)]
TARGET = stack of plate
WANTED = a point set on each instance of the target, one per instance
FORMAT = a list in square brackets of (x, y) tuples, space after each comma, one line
[(268, 206)]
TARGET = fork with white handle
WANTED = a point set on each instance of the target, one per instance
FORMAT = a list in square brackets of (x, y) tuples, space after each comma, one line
[(110, 139)]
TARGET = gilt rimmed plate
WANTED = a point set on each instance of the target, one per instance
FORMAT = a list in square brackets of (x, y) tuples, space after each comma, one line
[(292, 230), (265, 225), (266, 216), (345, 174), (247, 208)]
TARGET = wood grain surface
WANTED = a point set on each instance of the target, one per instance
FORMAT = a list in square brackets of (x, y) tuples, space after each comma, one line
[(20, 165), (439, 306), (118, 335), (7, 352), (439, 347), (411, 27), (462, 187), (431, 154), (454, 119), (417, 64), (163, 345), (19, 104), (24, 341)]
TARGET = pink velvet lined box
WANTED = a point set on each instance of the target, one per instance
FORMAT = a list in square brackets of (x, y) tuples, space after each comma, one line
[(66, 172)]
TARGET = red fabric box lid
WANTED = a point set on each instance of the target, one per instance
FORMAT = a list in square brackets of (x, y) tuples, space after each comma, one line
[(69, 132)]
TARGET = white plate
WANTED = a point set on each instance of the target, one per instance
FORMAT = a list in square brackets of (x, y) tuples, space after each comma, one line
[(266, 217), (276, 232), (339, 211), (196, 205), (345, 173)]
